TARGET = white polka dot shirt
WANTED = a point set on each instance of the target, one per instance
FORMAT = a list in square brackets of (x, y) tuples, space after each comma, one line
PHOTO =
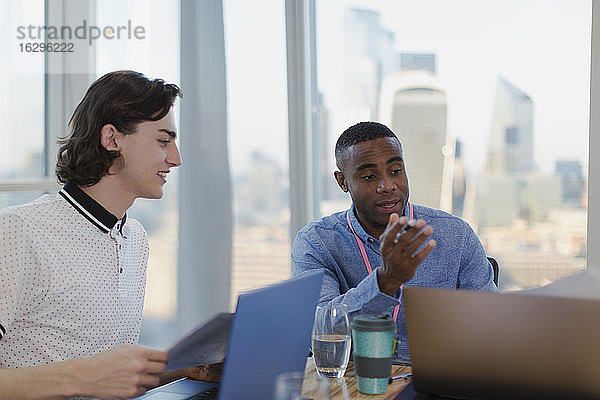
[(72, 279)]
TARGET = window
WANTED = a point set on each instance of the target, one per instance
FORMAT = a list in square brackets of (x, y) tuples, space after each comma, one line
[(485, 82), (22, 154), (258, 142), (504, 113), (155, 55)]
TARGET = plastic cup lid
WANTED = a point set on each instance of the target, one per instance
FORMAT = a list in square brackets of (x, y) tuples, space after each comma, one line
[(373, 322)]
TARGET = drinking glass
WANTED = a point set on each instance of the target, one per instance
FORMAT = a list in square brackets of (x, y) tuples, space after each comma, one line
[(293, 386), (331, 340), (288, 386)]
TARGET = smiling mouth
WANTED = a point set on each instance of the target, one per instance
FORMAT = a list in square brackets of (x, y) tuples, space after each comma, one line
[(162, 174), (388, 205)]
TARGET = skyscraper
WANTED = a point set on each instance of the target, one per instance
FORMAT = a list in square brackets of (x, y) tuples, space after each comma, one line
[(369, 55), (459, 181), (506, 190), (420, 61), (413, 105), (260, 195), (573, 182), (510, 147)]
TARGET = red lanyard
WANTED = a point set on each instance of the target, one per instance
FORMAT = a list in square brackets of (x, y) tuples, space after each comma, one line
[(363, 252)]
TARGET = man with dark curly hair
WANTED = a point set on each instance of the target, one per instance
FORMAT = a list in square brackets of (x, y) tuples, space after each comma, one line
[(73, 265), (383, 241)]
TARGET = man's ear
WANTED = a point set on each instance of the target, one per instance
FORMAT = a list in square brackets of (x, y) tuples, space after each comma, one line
[(341, 180), (109, 138)]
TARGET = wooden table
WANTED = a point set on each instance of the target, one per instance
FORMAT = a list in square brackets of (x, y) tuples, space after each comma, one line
[(346, 387)]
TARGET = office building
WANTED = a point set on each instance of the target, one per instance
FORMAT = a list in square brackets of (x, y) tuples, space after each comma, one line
[(539, 194), (510, 148), (509, 172), (572, 182), (459, 181), (413, 104), (419, 61), (369, 56), (501, 198), (261, 195), (497, 200)]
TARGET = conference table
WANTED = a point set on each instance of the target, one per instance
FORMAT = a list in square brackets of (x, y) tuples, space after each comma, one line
[(346, 388)]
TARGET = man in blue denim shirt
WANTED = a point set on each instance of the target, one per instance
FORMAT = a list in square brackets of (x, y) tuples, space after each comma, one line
[(382, 232)]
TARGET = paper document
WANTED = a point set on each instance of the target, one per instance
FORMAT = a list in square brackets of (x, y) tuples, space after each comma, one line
[(207, 344), (581, 285)]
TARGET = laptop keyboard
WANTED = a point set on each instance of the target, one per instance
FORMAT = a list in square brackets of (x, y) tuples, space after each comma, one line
[(211, 393)]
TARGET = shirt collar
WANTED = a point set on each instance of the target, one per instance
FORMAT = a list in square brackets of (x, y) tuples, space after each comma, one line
[(90, 208), (360, 231)]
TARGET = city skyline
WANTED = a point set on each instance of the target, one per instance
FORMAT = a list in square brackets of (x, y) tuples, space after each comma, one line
[(474, 48), (470, 55)]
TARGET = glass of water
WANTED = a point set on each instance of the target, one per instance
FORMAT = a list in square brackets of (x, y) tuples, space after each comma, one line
[(331, 340)]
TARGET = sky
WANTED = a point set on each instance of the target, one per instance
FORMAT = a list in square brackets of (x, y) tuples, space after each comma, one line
[(542, 47)]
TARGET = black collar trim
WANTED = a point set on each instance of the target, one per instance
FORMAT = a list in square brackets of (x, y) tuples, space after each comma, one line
[(90, 208)]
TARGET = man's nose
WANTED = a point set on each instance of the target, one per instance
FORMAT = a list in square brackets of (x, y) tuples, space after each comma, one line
[(386, 185), (174, 157)]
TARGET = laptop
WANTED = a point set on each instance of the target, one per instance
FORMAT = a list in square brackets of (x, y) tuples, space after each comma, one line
[(466, 344), (270, 334)]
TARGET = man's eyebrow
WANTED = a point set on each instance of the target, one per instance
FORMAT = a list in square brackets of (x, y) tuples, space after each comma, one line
[(370, 165), (395, 159), (365, 166), (173, 134)]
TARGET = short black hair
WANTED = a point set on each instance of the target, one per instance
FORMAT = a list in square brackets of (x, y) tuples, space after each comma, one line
[(359, 133), (121, 98)]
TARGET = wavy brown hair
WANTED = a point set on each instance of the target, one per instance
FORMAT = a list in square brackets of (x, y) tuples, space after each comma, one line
[(121, 98)]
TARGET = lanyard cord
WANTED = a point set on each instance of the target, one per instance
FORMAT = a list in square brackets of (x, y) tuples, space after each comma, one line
[(363, 252)]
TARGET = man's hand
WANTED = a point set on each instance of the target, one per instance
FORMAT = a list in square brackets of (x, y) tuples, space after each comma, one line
[(125, 372), (399, 251), (208, 373)]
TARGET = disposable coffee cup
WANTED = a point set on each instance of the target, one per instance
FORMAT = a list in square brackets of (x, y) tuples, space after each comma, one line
[(373, 344)]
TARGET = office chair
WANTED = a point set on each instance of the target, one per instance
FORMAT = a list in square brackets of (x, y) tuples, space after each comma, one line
[(496, 269)]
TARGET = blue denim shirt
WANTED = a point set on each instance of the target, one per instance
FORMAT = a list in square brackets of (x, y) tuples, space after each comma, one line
[(458, 261)]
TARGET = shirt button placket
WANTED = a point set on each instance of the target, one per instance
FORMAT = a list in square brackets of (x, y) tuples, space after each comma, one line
[(119, 248), (114, 235)]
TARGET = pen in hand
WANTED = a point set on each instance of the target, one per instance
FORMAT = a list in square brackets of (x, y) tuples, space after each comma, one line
[(410, 224), (401, 376)]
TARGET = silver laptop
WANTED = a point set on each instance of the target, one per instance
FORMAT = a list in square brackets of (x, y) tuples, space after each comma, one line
[(270, 334), (466, 344)]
